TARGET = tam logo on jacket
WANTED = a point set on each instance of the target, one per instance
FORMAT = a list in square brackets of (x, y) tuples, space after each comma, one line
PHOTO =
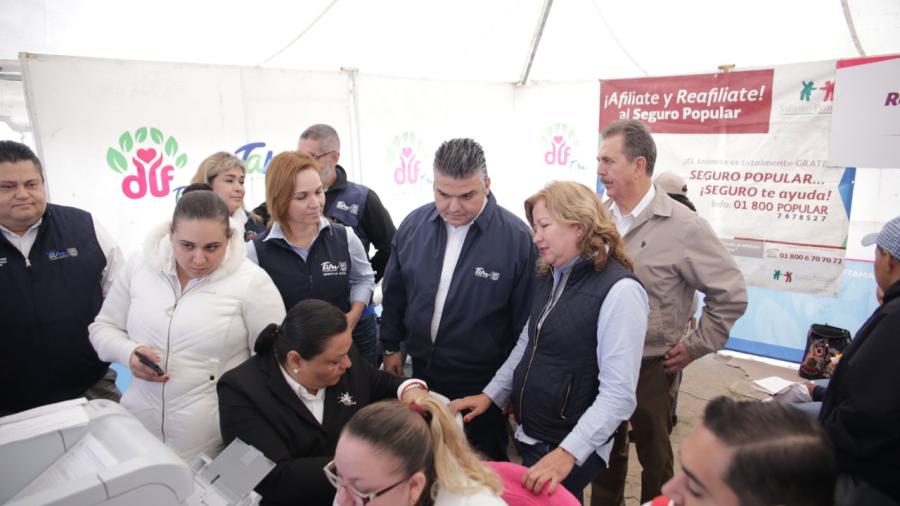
[(330, 269)]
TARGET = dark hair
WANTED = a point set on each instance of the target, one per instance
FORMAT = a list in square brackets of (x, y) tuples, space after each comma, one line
[(460, 159), (12, 152), (307, 329), (201, 205), (682, 199), (636, 140), (196, 187), (781, 455)]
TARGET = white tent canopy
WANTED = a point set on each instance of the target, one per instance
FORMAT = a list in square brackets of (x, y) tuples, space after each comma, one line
[(459, 40)]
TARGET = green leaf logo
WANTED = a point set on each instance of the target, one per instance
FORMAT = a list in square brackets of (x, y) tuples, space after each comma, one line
[(116, 160), (171, 146), (181, 161), (141, 134), (125, 142), (156, 135)]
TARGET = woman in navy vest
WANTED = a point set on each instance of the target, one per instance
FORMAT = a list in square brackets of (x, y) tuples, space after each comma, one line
[(572, 376), (307, 256), (225, 174)]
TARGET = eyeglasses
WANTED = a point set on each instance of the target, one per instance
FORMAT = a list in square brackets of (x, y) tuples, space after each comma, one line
[(319, 157), (359, 498)]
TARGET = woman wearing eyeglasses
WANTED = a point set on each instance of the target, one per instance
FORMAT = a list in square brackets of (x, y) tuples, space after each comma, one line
[(307, 256), (398, 454), (292, 399)]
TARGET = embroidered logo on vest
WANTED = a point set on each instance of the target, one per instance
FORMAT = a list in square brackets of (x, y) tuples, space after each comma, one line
[(2, 261), (330, 269), (480, 272), (354, 209), (57, 254)]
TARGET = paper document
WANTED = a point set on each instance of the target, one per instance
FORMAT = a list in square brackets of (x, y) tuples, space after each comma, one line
[(85, 459), (772, 385)]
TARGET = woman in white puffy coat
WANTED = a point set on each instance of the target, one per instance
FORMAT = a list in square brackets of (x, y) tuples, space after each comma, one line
[(193, 303)]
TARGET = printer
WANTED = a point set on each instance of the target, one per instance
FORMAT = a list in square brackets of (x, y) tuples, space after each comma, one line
[(96, 453)]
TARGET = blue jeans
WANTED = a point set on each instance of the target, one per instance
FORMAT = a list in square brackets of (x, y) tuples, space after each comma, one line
[(365, 337), (577, 479)]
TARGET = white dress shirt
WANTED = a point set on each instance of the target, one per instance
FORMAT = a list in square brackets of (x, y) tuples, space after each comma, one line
[(624, 222), (456, 237)]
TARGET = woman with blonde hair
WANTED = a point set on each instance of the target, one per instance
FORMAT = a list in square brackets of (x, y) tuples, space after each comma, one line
[(225, 174), (409, 454), (572, 376), (307, 256)]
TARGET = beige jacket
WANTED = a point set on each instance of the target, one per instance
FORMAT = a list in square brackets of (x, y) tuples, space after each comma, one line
[(675, 253)]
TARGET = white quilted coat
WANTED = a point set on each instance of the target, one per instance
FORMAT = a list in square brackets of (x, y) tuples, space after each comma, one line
[(200, 334)]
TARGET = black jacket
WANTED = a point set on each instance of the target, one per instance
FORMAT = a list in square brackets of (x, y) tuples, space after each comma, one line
[(47, 302), (488, 301), (861, 409), (257, 405)]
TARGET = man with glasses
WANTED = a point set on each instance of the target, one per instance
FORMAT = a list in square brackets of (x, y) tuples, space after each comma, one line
[(355, 206), (56, 265)]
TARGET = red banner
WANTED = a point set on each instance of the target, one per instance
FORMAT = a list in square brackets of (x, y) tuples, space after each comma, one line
[(728, 102)]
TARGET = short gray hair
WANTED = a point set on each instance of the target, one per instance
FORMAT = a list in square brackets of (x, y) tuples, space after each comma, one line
[(326, 135), (460, 159), (636, 140)]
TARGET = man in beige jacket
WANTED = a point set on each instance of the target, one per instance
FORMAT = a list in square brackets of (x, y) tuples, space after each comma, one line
[(675, 253)]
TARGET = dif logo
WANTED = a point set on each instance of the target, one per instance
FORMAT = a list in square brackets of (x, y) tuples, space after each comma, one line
[(560, 139), (893, 99), (152, 156), (404, 151)]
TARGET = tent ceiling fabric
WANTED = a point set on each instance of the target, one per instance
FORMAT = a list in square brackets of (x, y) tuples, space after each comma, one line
[(470, 40)]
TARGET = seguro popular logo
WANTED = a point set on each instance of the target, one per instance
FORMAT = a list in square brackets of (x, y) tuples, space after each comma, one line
[(153, 158)]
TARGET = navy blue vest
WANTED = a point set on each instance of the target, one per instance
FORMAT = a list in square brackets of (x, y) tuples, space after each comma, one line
[(348, 207), (324, 275), (556, 380), (45, 310)]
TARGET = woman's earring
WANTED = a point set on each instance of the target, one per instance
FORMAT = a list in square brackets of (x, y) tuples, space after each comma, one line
[(295, 371)]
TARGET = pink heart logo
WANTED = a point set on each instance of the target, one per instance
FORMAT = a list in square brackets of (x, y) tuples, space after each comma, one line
[(146, 154), (557, 139), (407, 152)]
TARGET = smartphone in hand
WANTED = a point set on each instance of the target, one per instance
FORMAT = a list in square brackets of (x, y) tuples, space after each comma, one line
[(147, 361)]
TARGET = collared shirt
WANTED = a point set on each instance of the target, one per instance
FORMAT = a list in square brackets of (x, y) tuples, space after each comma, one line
[(456, 237), (621, 326), (624, 222), (314, 403), (115, 260), (362, 277)]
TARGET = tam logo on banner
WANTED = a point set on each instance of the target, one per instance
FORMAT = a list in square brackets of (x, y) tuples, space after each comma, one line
[(254, 161), (561, 140), (152, 156), (405, 150)]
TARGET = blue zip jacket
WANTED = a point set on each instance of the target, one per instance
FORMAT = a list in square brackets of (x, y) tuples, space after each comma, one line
[(489, 298)]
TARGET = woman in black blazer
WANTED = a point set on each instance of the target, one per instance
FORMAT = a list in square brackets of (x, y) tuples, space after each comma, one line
[(291, 400)]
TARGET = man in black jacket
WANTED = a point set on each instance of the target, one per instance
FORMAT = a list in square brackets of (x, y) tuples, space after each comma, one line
[(457, 288), (358, 207), (56, 265), (861, 408)]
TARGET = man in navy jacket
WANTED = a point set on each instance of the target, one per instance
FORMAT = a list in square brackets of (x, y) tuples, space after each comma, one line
[(457, 287), (56, 265)]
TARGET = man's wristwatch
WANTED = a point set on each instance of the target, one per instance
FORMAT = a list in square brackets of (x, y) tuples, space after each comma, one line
[(388, 353)]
